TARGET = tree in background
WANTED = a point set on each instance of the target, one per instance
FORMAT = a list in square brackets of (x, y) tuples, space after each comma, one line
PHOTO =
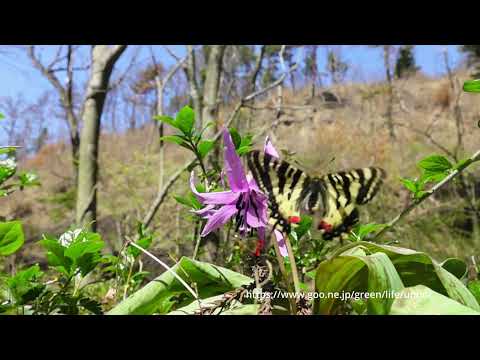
[(473, 58), (336, 67), (405, 65), (103, 59), (310, 68)]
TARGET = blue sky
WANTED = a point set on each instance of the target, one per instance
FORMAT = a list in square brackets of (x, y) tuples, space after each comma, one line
[(18, 77)]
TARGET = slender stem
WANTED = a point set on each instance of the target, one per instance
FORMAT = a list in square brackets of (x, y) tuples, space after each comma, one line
[(296, 281), (475, 157), (146, 252), (283, 270)]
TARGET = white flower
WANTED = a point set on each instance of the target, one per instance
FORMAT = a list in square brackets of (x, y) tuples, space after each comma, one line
[(8, 163), (67, 238)]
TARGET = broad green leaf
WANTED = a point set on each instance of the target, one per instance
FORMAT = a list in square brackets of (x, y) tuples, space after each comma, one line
[(185, 120), (204, 147), (183, 201), (24, 285), (210, 280), (55, 255), (11, 237), (166, 119), (348, 273), (421, 300), (176, 139), (417, 268), (472, 86)]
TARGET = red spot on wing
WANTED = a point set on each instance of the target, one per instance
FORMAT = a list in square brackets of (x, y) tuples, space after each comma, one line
[(325, 226), (294, 219)]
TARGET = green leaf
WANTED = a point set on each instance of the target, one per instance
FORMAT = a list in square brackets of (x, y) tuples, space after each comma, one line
[(472, 86), (243, 150), (303, 226), (28, 179), (371, 273), (185, 120), (183, 201), (421, 300), (2, 116), (11, 237), (417, 268), (144, 242), (204, 147), (7, 149), (166, 119), (176, 139), (236, 138), (411, 185), (24, 286), (8, 167), (91, 305), (210, 280), (474, 287), (362, 231), (435, 164)]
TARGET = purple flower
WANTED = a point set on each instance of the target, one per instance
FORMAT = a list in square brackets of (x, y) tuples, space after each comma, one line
[(270, 149), (245, 201)]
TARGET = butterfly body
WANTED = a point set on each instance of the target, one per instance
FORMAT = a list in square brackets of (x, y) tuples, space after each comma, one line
[(331, 199)]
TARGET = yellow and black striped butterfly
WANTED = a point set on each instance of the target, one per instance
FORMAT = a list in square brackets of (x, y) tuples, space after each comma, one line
[(330, 199)]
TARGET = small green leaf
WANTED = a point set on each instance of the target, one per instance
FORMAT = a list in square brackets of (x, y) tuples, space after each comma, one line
[(204, 147), (435, 164), (28, 179), (243, 150), (236, 138), (7, 149), (472, 86), (362, 231), (11, 237), (411, 185), (2, 116), (185, 120)]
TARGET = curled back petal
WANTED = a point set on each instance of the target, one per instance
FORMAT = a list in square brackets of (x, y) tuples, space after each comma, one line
[(219, 218), (214, 198)]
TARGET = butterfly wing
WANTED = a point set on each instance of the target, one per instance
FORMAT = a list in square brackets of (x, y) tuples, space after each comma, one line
[(333, 197), (346, 190)]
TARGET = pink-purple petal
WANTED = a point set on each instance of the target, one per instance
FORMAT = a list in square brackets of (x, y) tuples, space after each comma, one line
[(214, 198), (233, 165), (281, 243), (219, 219), (270, 149)]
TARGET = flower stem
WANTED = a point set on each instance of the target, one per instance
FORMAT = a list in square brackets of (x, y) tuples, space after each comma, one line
[(296, 281), (283, 270)]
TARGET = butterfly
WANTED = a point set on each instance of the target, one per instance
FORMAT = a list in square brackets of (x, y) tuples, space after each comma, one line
[(331, 199)]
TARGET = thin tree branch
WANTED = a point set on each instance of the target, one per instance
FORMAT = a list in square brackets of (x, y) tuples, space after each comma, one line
[(475, 157)]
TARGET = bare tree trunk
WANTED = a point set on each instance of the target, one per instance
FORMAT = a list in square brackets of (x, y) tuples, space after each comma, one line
[(194, 91), (386, 60), (103, 62), (211, 86)]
